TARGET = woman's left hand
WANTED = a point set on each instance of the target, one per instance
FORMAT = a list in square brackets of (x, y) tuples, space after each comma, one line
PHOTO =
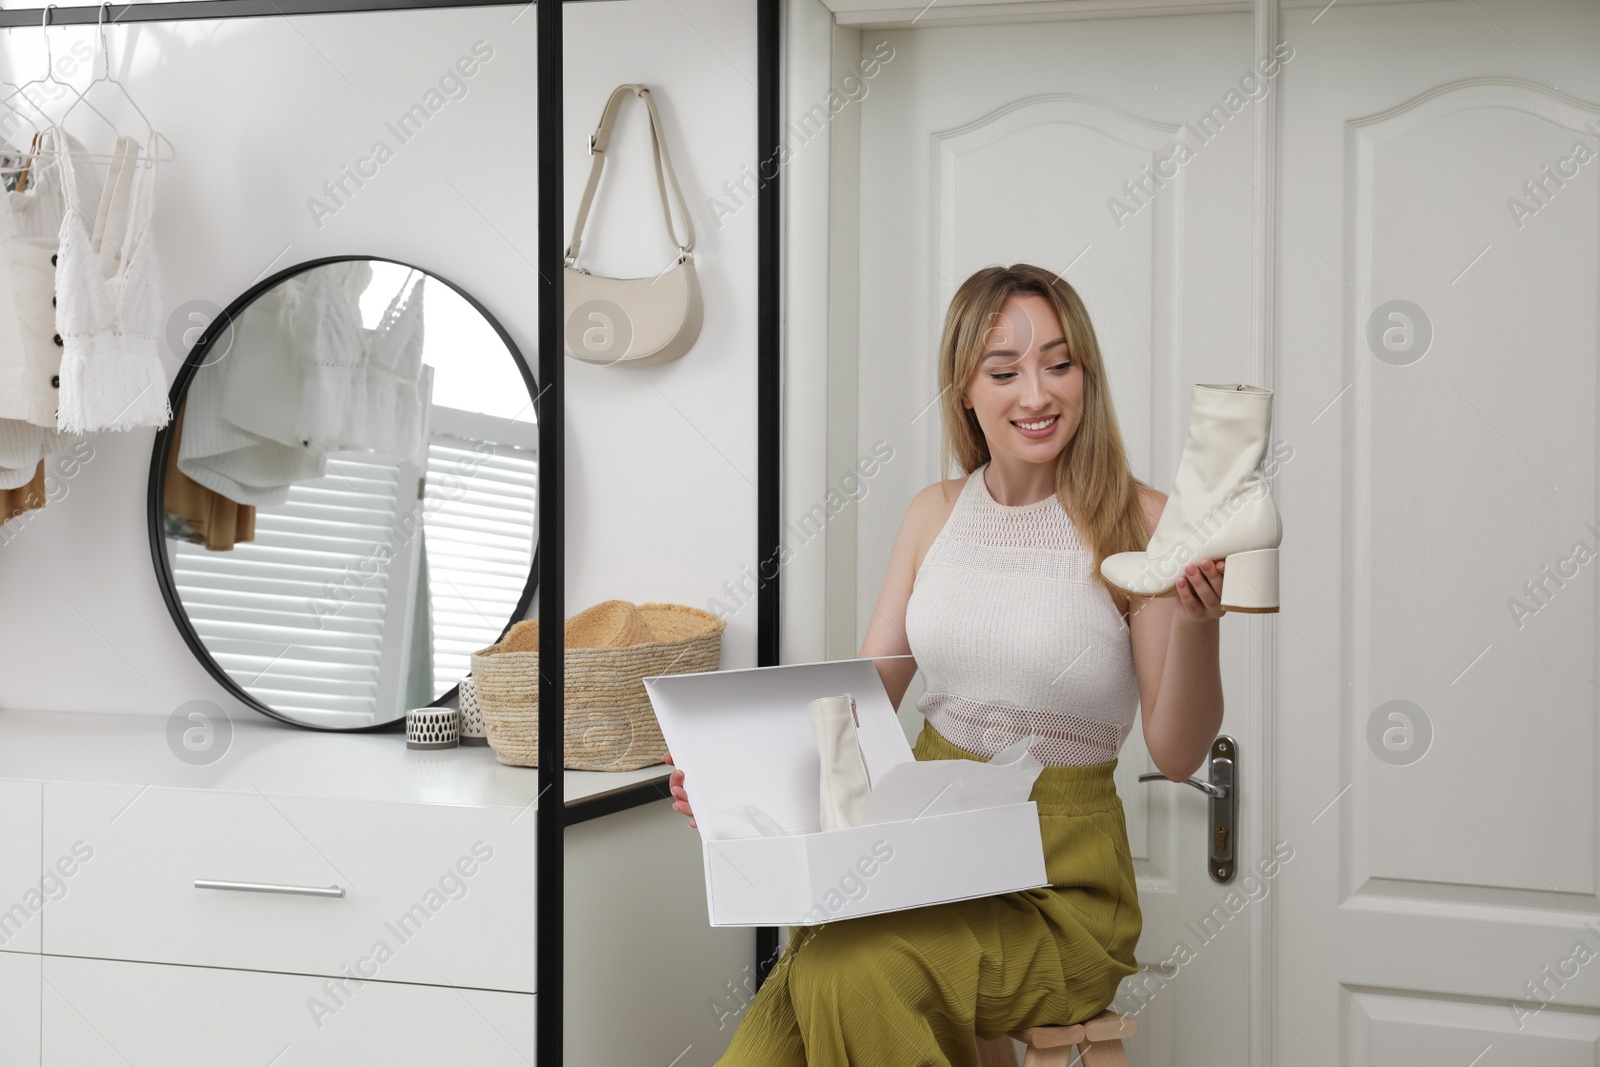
[(1200, 591)]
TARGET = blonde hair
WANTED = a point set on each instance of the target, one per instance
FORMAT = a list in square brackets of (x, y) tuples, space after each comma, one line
[(1094, 484)]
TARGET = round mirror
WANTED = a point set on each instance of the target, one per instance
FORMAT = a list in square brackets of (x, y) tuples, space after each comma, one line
[(343, 508)]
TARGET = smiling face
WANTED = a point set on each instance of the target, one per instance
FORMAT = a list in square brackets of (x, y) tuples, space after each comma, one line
[(1027, 391)]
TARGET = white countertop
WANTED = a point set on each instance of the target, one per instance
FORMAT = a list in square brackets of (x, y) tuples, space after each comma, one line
[(273, 757)]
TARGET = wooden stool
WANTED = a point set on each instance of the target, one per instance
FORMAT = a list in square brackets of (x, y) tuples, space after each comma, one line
[(1099, 1042)]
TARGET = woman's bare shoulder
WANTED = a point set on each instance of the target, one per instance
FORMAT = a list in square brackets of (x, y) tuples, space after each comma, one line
[(944, 492), (933, 504), (928, 512)]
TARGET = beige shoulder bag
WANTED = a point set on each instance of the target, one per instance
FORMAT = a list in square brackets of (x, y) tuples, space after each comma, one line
[(632, 321)]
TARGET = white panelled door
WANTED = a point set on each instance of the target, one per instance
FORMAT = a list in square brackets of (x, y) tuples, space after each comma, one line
[(1037, 142), (1440, 190)]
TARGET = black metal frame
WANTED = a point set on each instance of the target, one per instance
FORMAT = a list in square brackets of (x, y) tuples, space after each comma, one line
[(191, 10), (551, 819), (154, 508), (769, 360)]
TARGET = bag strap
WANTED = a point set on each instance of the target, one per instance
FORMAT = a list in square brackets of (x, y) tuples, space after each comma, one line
[(597, 149)]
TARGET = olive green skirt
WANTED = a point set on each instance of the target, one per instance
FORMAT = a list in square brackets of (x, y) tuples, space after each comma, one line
[(920, 986)]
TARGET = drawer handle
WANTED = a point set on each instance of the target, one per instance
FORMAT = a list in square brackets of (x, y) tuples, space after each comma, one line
[(263, 887)]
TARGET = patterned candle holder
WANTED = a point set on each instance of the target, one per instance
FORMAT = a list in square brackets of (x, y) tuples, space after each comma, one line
[(473, 732), (432, 728)]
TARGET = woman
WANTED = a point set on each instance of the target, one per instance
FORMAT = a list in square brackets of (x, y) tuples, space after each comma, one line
[(994, 584)]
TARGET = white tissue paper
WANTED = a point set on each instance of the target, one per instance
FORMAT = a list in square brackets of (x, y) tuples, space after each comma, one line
[(934, 787), (911, 791)]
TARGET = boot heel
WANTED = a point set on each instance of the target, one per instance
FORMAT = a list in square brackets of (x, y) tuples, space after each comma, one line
[(1250, 581)]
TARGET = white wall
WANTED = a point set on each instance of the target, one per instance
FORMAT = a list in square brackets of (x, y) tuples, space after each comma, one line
[(661, 497)]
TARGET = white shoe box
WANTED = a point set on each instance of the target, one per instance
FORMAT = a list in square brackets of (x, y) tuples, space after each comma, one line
[(938, 830)]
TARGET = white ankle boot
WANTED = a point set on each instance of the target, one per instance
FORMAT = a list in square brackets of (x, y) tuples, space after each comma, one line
[(845, 784), (1220, 506)]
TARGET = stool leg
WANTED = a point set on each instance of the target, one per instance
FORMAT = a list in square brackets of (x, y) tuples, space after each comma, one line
[(996, 1052), (1059, 1056), (1103, 1054)]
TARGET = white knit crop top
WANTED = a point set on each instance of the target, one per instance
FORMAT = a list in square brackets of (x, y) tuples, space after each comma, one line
[(1014, 635)]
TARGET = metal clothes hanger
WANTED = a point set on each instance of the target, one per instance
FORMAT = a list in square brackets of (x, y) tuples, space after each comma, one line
[(21, 90), (16, 178), (50, 77), (153, 136), (32, 156), (7, 127)]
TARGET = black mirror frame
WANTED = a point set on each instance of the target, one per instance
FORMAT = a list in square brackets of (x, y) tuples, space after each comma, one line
[(155, 509)]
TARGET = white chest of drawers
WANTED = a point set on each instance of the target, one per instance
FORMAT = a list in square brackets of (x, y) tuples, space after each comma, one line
[(314, 898)]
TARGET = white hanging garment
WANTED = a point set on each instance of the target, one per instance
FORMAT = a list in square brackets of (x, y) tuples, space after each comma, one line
[(399, 386), (107, 310), (254, 361), (30, 347), (117, 188), (363, 390), (261, 370), (331, 343), (22, 446)]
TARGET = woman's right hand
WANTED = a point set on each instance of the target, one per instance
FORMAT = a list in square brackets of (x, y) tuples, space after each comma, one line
[(681, 803)]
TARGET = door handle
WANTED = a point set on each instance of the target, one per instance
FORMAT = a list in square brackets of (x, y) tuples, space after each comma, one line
[(265, 887), (1205, 787), (1222, 792)]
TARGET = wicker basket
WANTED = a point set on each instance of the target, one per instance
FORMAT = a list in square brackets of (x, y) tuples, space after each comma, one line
[(611, 648)]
